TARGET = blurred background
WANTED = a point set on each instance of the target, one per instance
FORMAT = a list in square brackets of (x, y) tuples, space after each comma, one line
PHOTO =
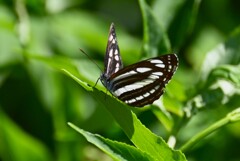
[(36, 101)]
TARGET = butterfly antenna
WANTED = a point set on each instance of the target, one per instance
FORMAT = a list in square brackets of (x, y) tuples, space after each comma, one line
[(91, 59), (94, 63)]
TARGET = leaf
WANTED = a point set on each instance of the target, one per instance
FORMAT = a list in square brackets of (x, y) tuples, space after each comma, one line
[(155, 40), (219, 79), (65, 65), (221, 88), (75, 36), (8, 54), (183, 23), (166, 10), (117, 150), (225, 53), (141, 137), (164, 117), (19, 146), (230, 73)]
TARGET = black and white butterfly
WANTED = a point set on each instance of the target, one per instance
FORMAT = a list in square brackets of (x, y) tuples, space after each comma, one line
[(138, 84)]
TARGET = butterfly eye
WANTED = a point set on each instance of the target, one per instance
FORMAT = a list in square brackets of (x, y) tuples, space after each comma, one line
[(139, 84)]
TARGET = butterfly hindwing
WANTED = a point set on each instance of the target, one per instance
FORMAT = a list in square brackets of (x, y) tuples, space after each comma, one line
[(139, 84), (142, 83)]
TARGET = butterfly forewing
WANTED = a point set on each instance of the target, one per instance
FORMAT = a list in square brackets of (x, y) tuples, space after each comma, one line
[(139, 84), (113, 61)]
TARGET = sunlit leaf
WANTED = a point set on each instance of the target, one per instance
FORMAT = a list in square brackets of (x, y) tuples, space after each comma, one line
[(118, 151), (141, 137), (155, 39)]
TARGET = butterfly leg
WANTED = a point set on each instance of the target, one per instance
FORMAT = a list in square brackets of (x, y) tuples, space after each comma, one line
[(96, 82)]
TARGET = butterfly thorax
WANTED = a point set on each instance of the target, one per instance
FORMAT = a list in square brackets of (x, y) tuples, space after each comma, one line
[(105, 79)]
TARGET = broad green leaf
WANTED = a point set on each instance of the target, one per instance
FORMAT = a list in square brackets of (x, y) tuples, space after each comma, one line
[(117, 150), (155, 40), (19, 146), (229, 73), (141, 137), (221, 88), (225, 53), (8, 41), (183, 23), (65, 65), (219, 78), (75, 36), (166, 10), (208, 38), (164, 117)]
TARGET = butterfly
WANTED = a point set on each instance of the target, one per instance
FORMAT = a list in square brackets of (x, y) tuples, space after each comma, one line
[(138, 84)]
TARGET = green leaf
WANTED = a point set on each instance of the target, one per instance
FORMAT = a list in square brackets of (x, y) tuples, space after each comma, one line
[(220, 79), (164, 117), (75, 35), (221, 88), (8, 54), (166, 10), (117, 150), (183, 23), (225, 53), (141, 137), (65, 65), (229, 73), (155, 40), (19, 146)]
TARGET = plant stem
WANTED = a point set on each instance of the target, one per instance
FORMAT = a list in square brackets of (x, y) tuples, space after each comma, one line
[(204, 133), (231, 117)]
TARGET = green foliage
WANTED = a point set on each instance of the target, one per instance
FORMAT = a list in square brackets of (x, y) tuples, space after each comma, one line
[(118, 151), (20, 146), (41, 109), (140, 136)]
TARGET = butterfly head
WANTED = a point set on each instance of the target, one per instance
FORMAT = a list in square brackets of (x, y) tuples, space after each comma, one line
[(103, 79)]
